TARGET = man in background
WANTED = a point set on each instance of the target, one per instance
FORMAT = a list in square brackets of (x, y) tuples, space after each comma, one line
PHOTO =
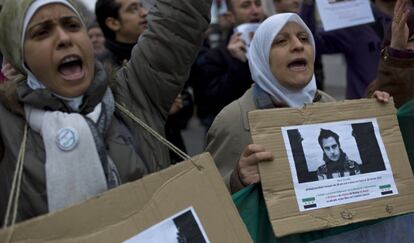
[(223, 75), (97, 38), (122, 22)]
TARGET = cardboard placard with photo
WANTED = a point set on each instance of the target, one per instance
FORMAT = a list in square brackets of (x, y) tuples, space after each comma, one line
[(334, 165), (187, 202)]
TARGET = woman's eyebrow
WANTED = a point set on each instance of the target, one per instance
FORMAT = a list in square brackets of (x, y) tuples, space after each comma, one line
[(49, 21), (39, 24), (282, 34)]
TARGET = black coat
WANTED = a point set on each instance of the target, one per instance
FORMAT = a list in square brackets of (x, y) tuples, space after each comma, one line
[(218, 79)]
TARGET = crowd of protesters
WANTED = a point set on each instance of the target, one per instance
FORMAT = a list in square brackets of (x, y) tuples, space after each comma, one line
[(62, 79)]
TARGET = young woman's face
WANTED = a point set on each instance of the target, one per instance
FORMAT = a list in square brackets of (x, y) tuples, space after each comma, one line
[(291, 56), (58, 51)]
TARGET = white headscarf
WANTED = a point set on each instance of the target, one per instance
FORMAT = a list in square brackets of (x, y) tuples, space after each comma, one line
[(32, 81), (259, 61)]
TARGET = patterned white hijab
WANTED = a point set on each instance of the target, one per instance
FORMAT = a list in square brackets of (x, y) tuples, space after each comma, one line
[(259, 61)]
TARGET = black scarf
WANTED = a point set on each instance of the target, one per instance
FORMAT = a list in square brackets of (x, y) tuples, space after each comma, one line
[(335, 166), (121, 51)]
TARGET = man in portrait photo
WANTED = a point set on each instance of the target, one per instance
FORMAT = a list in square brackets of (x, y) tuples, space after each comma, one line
[(336, 162)]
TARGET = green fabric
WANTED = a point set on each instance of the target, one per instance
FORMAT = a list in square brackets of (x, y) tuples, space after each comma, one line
[(405, 117), (251, 206), (252, 209)]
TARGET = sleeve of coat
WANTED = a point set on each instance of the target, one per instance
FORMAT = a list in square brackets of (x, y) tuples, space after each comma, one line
[(222, 144), (395, 77), (161, 60)]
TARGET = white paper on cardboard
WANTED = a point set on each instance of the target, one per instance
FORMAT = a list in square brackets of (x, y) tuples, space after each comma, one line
[(247, 32), (339, 14), (335, 173), (184, 226)]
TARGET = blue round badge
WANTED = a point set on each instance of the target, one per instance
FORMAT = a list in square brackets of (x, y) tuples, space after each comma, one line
[(67, 139)]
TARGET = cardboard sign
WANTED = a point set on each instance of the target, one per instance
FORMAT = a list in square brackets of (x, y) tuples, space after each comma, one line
[(160, 200), (339, 14), (335, 164)]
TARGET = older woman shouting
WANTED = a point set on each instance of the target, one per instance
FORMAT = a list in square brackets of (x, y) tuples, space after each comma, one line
[(281, 60)]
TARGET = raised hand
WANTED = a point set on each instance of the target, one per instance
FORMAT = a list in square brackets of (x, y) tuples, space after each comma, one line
[(176, 106), (237, 47), (399, 27), (9, 71)]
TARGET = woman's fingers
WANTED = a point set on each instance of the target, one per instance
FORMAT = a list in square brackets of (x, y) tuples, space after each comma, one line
[(401, 13), (253, 148), (8, 71), (249, 160), (404, 17), (381, 96), (398, 9), (399, 28)]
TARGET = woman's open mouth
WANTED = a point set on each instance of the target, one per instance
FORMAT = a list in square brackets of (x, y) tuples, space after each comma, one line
[(298, 65), (71, 68)]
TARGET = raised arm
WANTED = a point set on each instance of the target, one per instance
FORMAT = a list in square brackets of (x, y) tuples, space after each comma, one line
[(397, 61), (161, 60)]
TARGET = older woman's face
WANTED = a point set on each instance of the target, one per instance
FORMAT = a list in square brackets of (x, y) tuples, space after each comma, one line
[(291, 57), (58, 51)]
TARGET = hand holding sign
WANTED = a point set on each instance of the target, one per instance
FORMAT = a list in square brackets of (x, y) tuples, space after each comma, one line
[(247, 166)]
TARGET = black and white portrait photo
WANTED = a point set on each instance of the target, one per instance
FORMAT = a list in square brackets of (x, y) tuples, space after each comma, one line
[(333, 150), (184, 227), (336, 163)]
